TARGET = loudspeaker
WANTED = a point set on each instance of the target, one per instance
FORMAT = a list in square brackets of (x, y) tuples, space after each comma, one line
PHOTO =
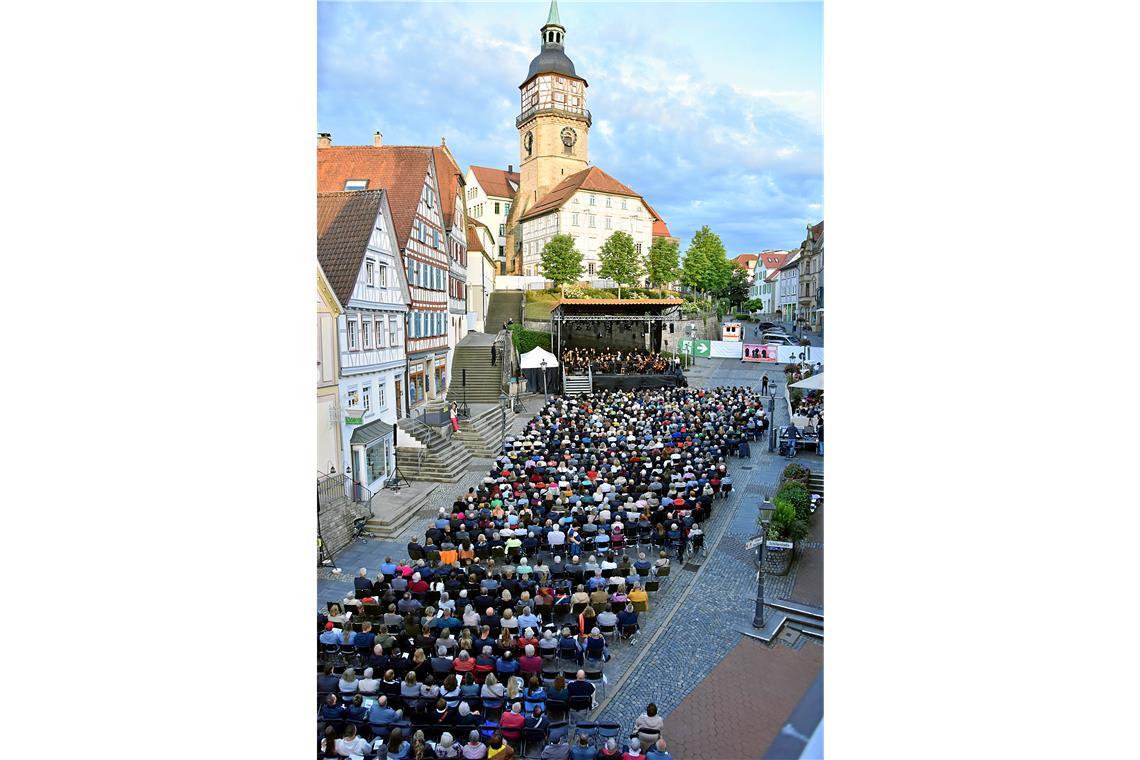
[(464, 377), (395, 435)]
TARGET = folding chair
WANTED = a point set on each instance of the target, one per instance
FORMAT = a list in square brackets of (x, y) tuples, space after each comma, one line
[(595, 674), (608, 731), (663, 572), (531, 737), (590, 730), (609, 630), (581, 704), (651, 586)]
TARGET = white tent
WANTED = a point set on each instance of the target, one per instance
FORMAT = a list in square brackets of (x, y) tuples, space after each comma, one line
[(813, 383), (533, 359)]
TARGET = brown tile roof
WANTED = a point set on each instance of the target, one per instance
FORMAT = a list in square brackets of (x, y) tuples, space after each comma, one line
[(398, 169), (496, 182), (450, 178), (345, 221), (587, 179), (473, 243), (817, 230), (659, 229)]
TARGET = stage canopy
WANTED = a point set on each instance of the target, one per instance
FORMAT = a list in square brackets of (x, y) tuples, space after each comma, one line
[(813, 383)]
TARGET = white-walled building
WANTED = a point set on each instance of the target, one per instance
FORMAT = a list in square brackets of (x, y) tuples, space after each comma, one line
[(358, 253), (788, 287), (768, 265), (482, 266), (589, 206), (452, 207), (490, 193)]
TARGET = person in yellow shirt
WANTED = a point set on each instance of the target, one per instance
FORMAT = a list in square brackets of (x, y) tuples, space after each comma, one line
[(497, 747), (638, 594)]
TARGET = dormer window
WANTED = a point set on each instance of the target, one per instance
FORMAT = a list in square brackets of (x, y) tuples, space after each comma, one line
[(355, 184)]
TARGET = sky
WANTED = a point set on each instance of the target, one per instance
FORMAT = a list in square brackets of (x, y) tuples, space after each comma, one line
[(712, 111)]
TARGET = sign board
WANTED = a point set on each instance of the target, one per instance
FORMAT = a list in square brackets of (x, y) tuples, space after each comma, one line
[(779, 544), (353, 421), (760, 352), (752, 543), (694, 347)]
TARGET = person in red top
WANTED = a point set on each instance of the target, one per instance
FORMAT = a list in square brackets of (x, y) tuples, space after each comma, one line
[(529, 663), (511, 724), (463, 663)]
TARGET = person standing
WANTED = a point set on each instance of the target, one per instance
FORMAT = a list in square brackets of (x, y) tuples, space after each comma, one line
[(764, 384), (819, 434), (492, 354)]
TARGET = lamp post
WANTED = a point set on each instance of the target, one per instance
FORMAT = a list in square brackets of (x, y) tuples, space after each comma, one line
[(758, 617), (542, 364), (771, 417)]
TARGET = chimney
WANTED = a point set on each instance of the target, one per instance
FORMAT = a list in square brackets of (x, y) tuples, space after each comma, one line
[(443, 142), (377, 139), (510, 168), (324, 140)]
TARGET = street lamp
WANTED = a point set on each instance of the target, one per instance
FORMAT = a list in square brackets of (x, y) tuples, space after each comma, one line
[(758, 617), (542, 364), (771, 417)]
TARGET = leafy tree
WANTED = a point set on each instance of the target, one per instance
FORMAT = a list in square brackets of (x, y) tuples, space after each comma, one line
[(706, 267), (663, 266), (755, 304), (620, 260), (737, 289), (561, 261)]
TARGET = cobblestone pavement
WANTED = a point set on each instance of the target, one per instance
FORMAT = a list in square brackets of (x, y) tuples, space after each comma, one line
[(688, 631), (678, 649)]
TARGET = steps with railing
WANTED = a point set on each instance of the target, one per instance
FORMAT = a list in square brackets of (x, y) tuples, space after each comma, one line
[(483, 434), (575, 385), (439, 458)]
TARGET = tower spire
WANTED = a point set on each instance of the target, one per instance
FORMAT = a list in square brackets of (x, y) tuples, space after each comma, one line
[(553, 17)]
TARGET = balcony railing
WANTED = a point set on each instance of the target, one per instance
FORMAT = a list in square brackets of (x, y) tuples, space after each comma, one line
[(562, 109)]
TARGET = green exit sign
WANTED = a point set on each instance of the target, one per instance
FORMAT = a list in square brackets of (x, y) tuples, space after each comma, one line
[(353, 421)]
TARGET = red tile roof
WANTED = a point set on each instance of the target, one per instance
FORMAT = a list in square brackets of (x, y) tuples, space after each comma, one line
[(592, 178), (496, 183), (398, 169), (659, 229), (473, 243), (450, 178), (817, 230), (773, 259), (345, 221)]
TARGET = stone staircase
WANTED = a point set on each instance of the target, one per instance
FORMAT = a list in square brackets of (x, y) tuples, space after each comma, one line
[(503, 305), (807, 620), (441, 459), (484, 382), (483, 434), (394, 512), (815, 482), (574, 385)]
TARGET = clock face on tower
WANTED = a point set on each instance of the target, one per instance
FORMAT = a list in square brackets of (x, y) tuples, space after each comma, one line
[(528, 142), (569, 137)]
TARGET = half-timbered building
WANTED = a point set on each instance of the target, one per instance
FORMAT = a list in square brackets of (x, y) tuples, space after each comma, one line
[(409, 178), (358, 254)]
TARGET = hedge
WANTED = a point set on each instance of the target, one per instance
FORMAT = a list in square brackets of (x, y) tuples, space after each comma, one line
[(525, 340)]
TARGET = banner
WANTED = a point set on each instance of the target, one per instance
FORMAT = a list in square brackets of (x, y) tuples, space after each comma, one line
[(760, 352)]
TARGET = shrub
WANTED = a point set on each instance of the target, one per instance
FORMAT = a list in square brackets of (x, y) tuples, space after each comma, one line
[(754, 304), (794, 495), (794, 472), (786, 525), (797, 396), (742, 315)]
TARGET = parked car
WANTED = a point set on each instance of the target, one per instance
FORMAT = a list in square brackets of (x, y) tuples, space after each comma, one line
[(778, 339)]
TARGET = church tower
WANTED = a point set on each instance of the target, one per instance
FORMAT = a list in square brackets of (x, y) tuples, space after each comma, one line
[(553, 122)]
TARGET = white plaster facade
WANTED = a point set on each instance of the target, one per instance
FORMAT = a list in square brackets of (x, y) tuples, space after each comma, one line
[(590, 217)]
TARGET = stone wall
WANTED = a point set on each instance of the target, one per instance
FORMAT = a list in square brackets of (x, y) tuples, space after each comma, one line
[(336, 524)]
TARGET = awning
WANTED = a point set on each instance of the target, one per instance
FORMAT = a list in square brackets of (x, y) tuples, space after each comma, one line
[(533, 359), (813, 383), (366, 435)]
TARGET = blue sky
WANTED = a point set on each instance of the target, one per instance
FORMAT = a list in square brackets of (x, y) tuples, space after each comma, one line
[(712, 111)]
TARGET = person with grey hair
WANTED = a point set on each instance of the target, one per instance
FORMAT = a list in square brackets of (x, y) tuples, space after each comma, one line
[(474, 749), (445, 747), (659, 751), (361, 584), (512, 723), (471, 618), (368, 684), (348, 683)]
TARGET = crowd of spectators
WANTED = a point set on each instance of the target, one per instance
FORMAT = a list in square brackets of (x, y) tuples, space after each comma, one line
[(615, 361), (503, 616), (810, 406)]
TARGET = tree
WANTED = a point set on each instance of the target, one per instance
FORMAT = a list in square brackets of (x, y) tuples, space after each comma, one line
[(737, 289), (663, 257), (620, 260), (706, 267), (561, 261)]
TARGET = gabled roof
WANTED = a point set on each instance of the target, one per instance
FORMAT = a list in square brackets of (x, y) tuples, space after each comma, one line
[(745, 259), (473, 244), (449, 178), (659, 229), (345, 221), (496, 183), (772, 259), (791, 261), (398, 169), (817, 230), (592, 178)]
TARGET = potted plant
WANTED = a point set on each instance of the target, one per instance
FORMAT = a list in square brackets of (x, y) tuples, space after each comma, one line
[(785, 527)]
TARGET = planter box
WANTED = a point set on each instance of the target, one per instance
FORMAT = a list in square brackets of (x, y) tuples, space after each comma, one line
[(778, 561)]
